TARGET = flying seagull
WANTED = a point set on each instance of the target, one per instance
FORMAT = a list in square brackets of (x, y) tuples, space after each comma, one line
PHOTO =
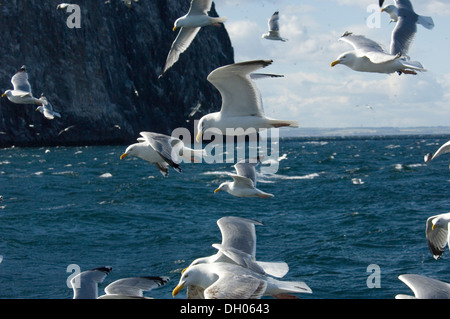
[(274, 28), (244, 182), (21, 94), (406, 25), (369, 56), (189, 25), (242, 106)]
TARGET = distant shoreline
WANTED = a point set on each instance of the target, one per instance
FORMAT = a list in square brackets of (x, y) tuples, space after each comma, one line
[(364, 131)]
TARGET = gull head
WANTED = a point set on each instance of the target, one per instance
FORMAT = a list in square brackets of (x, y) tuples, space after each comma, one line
[(131, 150), (179, 23), (439, 222), (224, 187), (7, 93), (193, 275), (345, 59), (392, 11)]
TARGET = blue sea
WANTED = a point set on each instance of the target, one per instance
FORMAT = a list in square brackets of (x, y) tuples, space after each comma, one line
[(348, 215)]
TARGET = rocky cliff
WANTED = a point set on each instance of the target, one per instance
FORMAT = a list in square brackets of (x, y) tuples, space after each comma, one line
[(103, 76)]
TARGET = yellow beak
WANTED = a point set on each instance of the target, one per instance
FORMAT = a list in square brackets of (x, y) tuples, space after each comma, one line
[(384, 9), (177, 290), (334, 63), (198, 137), (123, 155), (216, 190), (433, 227), (174, 28), (3, 95)]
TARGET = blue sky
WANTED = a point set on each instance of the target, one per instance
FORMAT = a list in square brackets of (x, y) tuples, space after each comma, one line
[(320, 96)]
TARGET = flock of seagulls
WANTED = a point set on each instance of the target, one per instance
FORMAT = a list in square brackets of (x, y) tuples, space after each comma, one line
[(234, 272)]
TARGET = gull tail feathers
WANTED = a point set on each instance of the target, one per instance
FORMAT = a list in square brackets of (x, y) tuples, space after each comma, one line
[(280, 287), (414, 65), (427, 22), (218, 20)]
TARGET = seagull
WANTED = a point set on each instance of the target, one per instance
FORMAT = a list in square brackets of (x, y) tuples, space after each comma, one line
[(66, 129), (224, 280), (424, 287), (274, 29), (244, 182), (369, 56), (238, 247), (22, 89), (445, 148), (47, 109), (437, 233), (189, 25), (242, 106), (406, 25), (85, 285), (161, 150)]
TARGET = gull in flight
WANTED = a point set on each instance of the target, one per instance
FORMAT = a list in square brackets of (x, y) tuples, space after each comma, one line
[(47, 109), (369, 56), (242, 106), (274, 29), (21, 94), (85, 285), (189, 25), (244, 182), (445, 148), (162, 150), (406, 25), (238, 250), (437, 233)]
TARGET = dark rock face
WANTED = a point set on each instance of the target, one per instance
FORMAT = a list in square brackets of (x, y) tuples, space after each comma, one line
[(103, 76)]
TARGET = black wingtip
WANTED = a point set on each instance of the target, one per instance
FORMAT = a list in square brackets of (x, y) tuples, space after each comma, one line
[(380, 2), (105, 269)]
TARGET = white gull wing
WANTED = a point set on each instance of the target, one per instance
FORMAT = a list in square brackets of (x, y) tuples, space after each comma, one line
[(134, 286), (162, 144), (438, 237), (246, 169), (239, 233), (273, 22), (20, 83), (367, 47), (235, 282), (240, 95), (424, 287), (445, 148), (182, 41), (277, 269), (85, 284), (200, 6), (405, 29)]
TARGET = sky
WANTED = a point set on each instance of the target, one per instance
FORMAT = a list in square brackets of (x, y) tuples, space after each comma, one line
[(317, 95)]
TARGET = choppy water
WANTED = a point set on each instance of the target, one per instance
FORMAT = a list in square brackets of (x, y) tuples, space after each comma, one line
[(340, 205)]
